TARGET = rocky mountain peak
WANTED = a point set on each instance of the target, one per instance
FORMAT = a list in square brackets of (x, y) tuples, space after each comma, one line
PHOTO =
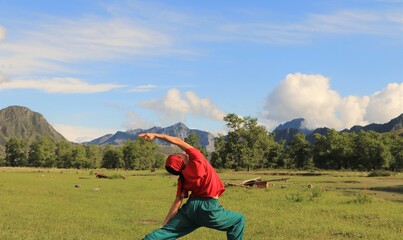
[(22, 123)]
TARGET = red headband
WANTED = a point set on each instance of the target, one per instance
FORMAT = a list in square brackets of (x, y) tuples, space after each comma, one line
[(174, 162)]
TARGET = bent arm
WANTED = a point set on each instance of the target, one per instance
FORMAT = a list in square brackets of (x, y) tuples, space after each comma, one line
[(173, 140), (172, 211)]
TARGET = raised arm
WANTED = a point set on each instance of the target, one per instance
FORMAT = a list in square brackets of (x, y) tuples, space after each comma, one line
[(173, 140)]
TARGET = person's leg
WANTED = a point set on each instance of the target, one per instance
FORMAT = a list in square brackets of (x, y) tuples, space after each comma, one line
[(177, 227), (237, 230), (211, 214), (231, 222)]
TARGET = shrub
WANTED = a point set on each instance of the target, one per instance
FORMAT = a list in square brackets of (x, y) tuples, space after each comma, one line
[(379, 173), (316, 193), (363, 198), (295, 197), (116, 176)]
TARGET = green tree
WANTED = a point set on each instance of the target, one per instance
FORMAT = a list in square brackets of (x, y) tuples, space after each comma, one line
[(347, 144), (129, 154), (247, 145), (370, 152), (229, 149), (394, 142), (141, 155), (42, 153), (218, 157), (79, 157), (299, 152), (260, 145), (93, 155), (320, 151), (274, 157), (147, 156), (112, 158), (194, 140), (237, 145), (64, 154), (333, 151), (16, 153)]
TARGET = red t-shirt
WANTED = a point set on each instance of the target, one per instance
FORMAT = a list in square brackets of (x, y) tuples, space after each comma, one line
[(199, 177)]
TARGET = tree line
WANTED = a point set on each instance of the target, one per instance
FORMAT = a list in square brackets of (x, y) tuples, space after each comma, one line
[(43, 152), (247, 146)]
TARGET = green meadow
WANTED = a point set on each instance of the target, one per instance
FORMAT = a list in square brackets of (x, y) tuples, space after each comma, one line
[(74, 204)]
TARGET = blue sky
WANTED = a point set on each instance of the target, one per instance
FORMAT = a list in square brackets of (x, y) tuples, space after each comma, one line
[(96, 67)]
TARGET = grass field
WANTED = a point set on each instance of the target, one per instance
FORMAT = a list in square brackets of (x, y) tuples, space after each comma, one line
[(74, 204)]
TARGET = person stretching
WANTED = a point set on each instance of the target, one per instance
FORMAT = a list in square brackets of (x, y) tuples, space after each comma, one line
[(196, 175)]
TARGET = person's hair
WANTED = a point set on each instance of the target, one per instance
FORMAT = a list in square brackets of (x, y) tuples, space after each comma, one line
[(172, 171)]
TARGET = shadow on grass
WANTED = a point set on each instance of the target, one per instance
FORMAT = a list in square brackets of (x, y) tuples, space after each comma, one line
[(392, 189)]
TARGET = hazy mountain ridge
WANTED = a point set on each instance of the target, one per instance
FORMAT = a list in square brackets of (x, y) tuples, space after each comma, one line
[(288, 130), (297, 123), (179, 130), (392, 125)]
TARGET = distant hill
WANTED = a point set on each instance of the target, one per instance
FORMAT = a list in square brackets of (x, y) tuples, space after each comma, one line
[(295, 123), (179, 130), (22, 123), (287, 131), (392, 125)]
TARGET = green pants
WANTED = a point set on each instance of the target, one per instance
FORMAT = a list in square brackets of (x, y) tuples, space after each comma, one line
[(201, 212)]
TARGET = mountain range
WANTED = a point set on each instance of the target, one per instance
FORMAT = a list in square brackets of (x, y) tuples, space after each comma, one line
[(22, 123), (179, 130), (288, 130)]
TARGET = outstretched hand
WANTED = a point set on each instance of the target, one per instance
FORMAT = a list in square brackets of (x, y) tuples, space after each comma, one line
[(170, 139), (147, 136)]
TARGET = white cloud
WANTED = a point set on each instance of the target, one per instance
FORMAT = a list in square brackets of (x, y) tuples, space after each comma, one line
[(143, 88), (133, 120), (175, 106), (352, 111), (203, 107), (58, 85), (347, 21), (52, 46), (136, 121), (380, 23), (49, 47), (310, 97), (307, 96), (385, 104), (80, 134)]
